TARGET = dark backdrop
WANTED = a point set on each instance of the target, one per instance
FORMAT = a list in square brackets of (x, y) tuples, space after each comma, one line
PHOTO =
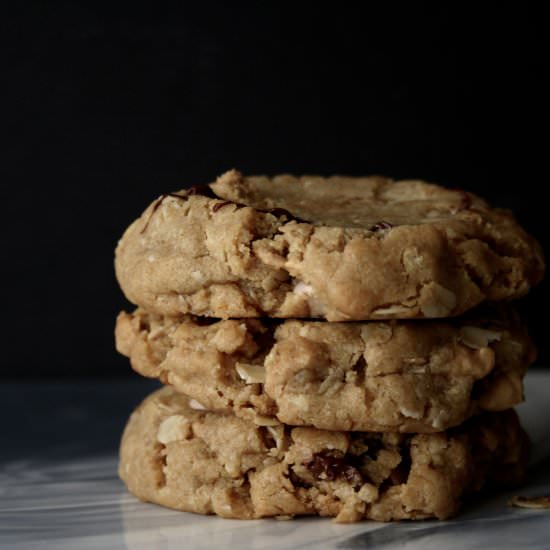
[(105, 110)]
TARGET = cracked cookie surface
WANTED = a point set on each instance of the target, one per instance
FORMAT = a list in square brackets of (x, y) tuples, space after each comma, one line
[(336, 248), (204, 462), (407, 376)]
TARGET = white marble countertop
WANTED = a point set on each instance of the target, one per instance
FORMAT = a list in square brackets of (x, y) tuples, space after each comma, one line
[(59, 488)]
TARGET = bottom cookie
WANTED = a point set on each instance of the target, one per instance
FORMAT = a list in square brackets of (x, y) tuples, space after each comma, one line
[(176, 455)]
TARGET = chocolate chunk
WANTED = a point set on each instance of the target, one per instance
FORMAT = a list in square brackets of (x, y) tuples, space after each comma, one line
[(329, 465)]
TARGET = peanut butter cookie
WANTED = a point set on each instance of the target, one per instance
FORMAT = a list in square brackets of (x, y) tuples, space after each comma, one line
[(408, 376), (334, 248), (205, 462)]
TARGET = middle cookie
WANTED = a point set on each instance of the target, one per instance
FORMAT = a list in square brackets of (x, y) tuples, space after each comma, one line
[(403, 376)]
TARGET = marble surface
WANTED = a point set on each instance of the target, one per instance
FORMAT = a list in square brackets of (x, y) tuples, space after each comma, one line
[(59, 489)]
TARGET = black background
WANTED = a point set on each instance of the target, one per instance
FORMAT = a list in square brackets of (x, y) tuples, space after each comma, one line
[(105, 110)]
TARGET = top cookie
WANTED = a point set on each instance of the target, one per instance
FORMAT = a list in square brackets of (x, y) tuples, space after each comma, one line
[(337, 248)]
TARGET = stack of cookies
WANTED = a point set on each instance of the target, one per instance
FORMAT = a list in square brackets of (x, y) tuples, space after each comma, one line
[(334, 346)]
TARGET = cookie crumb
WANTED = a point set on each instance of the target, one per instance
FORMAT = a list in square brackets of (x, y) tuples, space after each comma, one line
[(539, 503)]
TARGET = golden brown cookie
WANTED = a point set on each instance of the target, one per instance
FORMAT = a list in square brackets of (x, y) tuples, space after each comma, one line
[(336, 248), (205, 462), (408, 376)]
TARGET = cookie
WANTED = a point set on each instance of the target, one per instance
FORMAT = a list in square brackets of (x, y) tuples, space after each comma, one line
[(335, 248), (205, 462), (406, 376)]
